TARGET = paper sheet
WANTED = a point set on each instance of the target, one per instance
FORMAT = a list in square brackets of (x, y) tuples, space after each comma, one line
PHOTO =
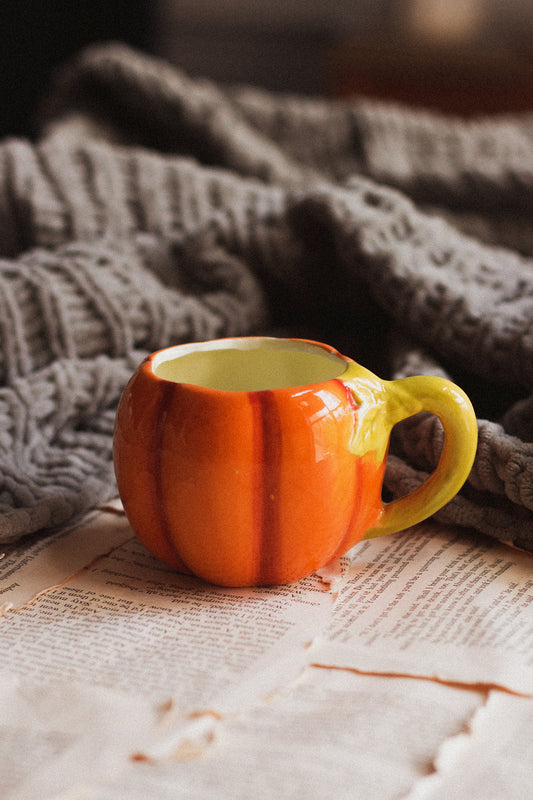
[(122, 679), (490, 762), (28, 568), (129, 622), (65, 736), (436, 603), (332, 734)]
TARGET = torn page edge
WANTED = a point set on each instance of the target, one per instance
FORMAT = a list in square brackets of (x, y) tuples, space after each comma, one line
[(481, 687), (7, 607), (423, 787), (189, 742), (196, 730), (113, 507)]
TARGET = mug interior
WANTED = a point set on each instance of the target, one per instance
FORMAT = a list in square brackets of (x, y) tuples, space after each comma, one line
[(248, 364)]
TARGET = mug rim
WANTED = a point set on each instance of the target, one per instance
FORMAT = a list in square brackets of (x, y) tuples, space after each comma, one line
[(249, 343)]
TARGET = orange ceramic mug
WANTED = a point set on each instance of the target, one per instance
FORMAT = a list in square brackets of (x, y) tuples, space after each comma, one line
[(257, 460)]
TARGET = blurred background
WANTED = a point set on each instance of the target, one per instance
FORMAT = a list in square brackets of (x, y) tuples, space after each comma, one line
[(460, 56)]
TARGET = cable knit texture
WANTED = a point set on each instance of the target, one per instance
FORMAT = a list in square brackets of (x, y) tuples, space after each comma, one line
[(155, 209)]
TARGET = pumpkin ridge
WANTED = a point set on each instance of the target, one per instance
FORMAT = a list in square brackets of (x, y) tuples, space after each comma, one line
[(268, 458), (160, 514)]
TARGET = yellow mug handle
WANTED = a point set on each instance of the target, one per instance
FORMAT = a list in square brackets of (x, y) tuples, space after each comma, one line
[(384, 403)]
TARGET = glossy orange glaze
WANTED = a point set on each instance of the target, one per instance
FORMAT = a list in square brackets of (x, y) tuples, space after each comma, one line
[(243, 488)]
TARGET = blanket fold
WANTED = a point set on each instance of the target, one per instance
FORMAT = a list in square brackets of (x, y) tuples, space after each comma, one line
[(155, 209)]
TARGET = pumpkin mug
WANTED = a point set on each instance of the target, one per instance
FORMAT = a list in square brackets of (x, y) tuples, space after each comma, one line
[(257, 460)]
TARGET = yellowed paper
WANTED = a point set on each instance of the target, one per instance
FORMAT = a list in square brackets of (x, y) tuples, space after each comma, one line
[(129, 622), (61, 738), (122, 679), (330, 734), (492, 761), (30, 568), (436, 603)]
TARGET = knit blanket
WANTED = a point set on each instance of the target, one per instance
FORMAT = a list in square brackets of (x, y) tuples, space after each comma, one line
[(154, 209)]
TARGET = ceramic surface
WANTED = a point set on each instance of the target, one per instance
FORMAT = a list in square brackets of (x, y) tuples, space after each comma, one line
[(256, 461)]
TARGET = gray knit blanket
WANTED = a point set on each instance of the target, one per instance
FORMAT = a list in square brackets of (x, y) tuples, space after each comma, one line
[(154, 209)]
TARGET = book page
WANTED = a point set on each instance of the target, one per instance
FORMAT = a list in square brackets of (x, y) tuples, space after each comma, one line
[(163, 681), (33, 566), (65, 736), (437, 603), (490, 762), (331, 734), (129, 622)]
